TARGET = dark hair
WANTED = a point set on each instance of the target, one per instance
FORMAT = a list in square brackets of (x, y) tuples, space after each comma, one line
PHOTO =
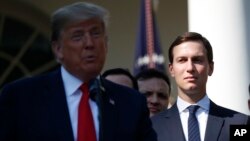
[(153, 73), (74, 12), (121, 71), (191, 36)]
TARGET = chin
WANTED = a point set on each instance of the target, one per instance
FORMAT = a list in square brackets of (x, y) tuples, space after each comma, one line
[(151, 114), (191, 87), (94, 72)]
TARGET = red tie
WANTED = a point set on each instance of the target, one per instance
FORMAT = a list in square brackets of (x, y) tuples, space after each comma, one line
[(86, 129)]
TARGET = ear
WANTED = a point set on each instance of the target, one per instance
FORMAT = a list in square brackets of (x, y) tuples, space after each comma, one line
[(170, 69), (57, 49), (211, 68), (249, 104), (106, 43)]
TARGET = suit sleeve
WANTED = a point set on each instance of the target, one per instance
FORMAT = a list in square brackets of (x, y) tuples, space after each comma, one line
[(7, 114)]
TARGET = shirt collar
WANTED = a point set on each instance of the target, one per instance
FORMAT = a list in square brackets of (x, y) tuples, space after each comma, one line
[(204, 103), (70, 82)]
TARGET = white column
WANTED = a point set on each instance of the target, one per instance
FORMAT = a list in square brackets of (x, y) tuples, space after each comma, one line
[(225, 23)]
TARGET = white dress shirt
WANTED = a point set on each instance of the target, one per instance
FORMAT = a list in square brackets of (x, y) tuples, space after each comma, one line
[(73, 96), (201, 115)]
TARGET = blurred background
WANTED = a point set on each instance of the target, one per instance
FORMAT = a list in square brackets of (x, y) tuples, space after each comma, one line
[(25, 30)]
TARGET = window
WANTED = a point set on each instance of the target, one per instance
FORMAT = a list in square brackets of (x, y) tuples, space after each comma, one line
[(24, 44)]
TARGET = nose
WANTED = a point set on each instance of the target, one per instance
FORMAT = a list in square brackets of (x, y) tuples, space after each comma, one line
[(154, 98), (190, 66), (88, 40)]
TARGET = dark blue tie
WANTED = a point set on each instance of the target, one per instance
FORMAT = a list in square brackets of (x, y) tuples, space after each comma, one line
[(193, 126)]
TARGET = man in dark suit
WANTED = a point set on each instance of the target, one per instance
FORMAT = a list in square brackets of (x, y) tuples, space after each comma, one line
[(45, 107), (191, 62)]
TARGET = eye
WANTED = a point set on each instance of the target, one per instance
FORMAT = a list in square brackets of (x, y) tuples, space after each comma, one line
[(96, 32), (77, 36), (162, 95), (147, 94), (198, 60), (181, 60)]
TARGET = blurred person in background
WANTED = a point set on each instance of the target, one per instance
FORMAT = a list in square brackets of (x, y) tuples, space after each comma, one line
[(121, 76), (156, 86)]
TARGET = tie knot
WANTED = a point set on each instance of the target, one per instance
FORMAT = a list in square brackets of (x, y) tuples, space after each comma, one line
[(84, 85), (84, 88), (193, 108)]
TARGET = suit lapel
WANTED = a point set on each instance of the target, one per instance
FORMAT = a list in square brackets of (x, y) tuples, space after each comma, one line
[(214, 123), (174, 124), (109, 120), (58, 108)]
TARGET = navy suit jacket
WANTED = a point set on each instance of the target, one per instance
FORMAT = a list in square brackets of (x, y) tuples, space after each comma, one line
[(168, 127), (35, 109)]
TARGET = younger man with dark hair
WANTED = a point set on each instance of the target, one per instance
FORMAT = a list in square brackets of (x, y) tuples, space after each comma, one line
[(194, 117), (155, 85)]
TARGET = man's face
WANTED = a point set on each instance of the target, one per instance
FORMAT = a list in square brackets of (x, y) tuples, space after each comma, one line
[(190, 68), (82, 48), (157, 93)]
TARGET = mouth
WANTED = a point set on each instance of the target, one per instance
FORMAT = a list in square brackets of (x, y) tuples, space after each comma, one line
[(190, 78), (90, 58), (153, 109)]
